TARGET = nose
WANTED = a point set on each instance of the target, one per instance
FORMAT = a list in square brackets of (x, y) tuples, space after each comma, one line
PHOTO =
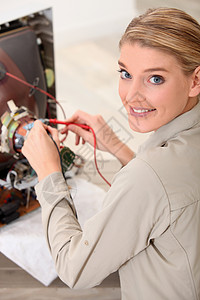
[(135, 92)]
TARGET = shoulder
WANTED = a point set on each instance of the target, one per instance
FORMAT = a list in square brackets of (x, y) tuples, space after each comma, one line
[(176, 166), (176, 158)]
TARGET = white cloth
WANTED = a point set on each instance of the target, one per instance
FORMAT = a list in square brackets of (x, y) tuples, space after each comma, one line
[(23, 241)]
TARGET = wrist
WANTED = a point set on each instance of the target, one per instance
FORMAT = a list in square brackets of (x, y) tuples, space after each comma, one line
[(47, 171), (123, 153)]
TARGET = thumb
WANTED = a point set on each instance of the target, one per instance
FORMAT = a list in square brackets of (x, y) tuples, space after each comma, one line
[(54, 134)]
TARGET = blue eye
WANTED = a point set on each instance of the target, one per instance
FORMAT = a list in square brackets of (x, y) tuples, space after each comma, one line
[(124, 74), (156, 79)]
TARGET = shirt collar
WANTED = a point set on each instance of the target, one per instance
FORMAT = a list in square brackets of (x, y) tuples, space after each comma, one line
[(183, 122)]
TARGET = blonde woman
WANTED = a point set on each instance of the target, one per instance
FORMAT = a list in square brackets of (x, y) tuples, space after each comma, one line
[(149, 227)]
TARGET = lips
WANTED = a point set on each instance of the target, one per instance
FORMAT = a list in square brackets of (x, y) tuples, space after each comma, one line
[(141, 112)]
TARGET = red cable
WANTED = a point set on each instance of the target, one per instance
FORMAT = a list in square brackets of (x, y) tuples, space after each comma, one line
[(36, 88), (55, 121)]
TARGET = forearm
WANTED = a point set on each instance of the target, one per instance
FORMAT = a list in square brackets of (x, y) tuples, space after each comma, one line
[(61, 227), (70, 247)]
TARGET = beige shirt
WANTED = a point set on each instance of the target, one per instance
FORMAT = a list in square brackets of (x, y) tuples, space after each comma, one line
[(149, 227)]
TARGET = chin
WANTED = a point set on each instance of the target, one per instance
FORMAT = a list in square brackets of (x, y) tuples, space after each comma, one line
[(140, 129)]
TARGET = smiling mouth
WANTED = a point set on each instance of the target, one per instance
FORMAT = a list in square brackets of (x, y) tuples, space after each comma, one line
[(141, 112)]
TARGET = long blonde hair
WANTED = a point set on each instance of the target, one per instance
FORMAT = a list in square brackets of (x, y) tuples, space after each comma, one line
[(167, 29)]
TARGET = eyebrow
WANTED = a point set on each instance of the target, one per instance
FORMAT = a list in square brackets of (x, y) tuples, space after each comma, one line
[(156, 69), (121, 64), (147, 70)]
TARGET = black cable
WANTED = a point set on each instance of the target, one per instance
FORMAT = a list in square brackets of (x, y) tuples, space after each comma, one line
[(58, 153)]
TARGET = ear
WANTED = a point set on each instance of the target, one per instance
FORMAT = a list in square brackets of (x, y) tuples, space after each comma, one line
[(195, 88)]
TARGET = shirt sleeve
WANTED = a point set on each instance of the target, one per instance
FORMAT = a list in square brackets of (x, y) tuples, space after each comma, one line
[(135, 211)]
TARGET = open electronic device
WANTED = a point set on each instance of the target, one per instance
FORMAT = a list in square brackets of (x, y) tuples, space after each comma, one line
[(26, 56)]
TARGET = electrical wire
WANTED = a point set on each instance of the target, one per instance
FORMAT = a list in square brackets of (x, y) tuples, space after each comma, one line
[(35, 88), (58, 153), (55, 121)]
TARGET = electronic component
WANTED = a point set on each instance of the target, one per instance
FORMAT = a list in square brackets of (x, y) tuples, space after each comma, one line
[(14, 131), (8, 212), (10, 218), (15, 203), (26, 51), (67, 157)]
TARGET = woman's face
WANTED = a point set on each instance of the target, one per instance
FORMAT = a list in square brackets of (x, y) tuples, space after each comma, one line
[(152, 86)]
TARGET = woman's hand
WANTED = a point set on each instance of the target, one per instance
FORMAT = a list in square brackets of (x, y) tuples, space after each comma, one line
[(41, 151), (97, 123), (106, 139)]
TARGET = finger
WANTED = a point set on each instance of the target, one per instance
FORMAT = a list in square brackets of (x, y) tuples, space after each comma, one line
[(53, 131), (39, 124), (79, 117), (85, 134), (77, 139), (54, 134), (64, 130), (79, 131)]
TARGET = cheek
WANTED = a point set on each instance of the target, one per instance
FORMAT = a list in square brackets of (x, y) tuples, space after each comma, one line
[(164, 96), (122, 92)]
